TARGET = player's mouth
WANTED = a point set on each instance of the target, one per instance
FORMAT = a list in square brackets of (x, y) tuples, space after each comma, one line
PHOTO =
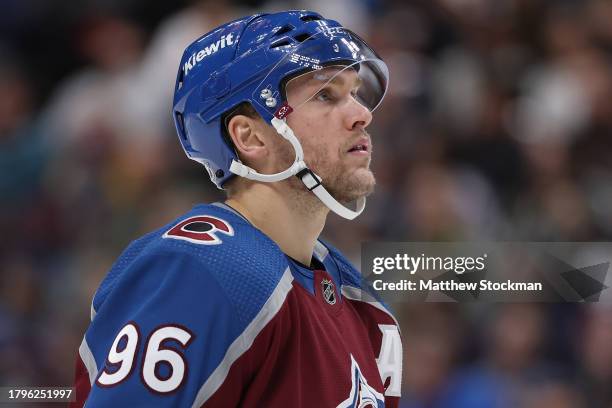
[(361, 148)]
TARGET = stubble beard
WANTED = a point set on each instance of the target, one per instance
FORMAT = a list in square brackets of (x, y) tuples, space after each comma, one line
[(345, 183)]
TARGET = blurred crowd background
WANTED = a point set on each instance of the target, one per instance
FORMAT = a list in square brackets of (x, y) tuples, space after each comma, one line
[(496, 126)]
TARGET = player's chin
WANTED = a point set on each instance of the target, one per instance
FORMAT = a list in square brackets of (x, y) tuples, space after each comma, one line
[(360, 184)]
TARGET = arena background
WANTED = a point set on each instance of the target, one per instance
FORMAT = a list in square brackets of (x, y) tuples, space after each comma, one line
[(496, 126)]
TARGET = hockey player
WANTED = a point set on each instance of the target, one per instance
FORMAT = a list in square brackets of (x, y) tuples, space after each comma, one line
[(239, 303)]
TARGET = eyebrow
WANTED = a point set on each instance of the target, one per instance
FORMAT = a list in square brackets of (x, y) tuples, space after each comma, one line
[(337, 80)]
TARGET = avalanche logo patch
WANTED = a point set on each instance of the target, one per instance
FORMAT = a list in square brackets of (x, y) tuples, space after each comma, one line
[(362, 394), (201, 229)]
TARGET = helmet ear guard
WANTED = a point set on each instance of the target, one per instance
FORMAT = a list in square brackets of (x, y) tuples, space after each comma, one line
[(268, 52)]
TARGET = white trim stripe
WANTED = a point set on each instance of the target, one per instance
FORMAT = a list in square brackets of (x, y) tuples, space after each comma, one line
[(320, 251), (353, 293), (88, 360), (243, 342), (92, 312)]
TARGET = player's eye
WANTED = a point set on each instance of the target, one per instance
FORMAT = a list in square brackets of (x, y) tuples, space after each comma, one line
[(330, 95), (324, 95)]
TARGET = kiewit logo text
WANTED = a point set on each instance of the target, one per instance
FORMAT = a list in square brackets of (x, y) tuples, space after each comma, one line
[(211, 49)]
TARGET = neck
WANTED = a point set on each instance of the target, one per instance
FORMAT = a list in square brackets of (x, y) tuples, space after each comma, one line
[(293, 219)]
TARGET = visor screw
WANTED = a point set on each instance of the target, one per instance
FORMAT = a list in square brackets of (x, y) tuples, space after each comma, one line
[(265, 93), (271, 102)]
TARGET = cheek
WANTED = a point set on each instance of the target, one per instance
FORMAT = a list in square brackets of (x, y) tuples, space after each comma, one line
[(312, 119), (316, 134)]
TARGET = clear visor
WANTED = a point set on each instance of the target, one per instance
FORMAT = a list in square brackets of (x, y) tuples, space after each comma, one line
[(333, 67)]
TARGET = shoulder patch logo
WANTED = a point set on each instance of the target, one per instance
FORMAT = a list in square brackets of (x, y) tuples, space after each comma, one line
[(201, 229)]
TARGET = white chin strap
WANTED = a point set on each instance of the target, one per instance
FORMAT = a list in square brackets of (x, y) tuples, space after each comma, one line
[(299, 168)]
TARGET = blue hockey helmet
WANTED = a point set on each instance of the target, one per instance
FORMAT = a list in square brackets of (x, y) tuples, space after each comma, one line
[(251, 60)]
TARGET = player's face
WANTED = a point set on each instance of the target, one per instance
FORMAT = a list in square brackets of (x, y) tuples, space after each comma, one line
[(331, 128)]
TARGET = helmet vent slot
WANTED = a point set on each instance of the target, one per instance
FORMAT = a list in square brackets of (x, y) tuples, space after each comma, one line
[(310, 18), (281, 43), (302, 37), (179, 82), (181, 124), (285, 29)]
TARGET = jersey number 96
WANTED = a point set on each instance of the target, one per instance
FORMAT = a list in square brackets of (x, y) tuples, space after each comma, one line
[(121, 359)]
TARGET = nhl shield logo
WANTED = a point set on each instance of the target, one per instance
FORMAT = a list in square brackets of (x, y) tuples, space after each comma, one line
[(329, 294)]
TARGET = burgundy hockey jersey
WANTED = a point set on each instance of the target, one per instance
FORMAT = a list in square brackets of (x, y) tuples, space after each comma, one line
[(208, 312)]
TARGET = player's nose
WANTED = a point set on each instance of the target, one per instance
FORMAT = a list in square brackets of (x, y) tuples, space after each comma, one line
[(357, 115)]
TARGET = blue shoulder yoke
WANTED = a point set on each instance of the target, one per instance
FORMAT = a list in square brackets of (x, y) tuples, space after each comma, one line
[(246, 265)]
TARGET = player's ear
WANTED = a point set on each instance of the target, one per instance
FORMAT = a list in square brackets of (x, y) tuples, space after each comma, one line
[(248, 138)]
